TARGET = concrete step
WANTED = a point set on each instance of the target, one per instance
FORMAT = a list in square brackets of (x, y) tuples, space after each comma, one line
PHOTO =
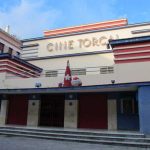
[(77, 131), (73, 135), (88, 136), (110, 142)]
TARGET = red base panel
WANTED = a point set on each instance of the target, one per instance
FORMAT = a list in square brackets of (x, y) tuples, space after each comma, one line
[(17, 110), (92, 111)]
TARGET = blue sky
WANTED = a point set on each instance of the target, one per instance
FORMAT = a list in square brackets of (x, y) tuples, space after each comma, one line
[(29, 18)]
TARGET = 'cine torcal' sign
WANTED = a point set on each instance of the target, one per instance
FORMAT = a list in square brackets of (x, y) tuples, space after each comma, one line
[(82, 43)]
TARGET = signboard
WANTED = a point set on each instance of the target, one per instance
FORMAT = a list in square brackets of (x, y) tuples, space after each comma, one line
[(80, 43), (75, 44)]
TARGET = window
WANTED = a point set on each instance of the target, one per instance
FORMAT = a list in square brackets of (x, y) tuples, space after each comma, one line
[(78, 71), (1, 48), (51, 73), (106, 70)]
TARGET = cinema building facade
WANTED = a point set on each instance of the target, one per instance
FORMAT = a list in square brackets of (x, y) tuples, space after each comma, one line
[(111, 59)]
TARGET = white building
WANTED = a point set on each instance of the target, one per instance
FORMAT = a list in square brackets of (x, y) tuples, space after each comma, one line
[(108, 95)]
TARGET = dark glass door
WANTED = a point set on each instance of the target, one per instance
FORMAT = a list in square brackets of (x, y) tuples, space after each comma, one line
[(52, 111)]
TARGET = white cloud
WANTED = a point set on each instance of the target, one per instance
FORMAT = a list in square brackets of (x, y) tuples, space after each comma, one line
[(29, 18)]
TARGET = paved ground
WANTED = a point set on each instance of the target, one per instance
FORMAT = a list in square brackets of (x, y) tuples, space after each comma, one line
[(21, 143)]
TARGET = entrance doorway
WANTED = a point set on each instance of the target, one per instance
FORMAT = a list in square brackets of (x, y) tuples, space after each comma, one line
[(52, 110), (17, 110), (92, 111)]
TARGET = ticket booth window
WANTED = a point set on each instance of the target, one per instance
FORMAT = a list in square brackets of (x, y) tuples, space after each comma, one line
[(129, 106), (0, 104), (127, 112)]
